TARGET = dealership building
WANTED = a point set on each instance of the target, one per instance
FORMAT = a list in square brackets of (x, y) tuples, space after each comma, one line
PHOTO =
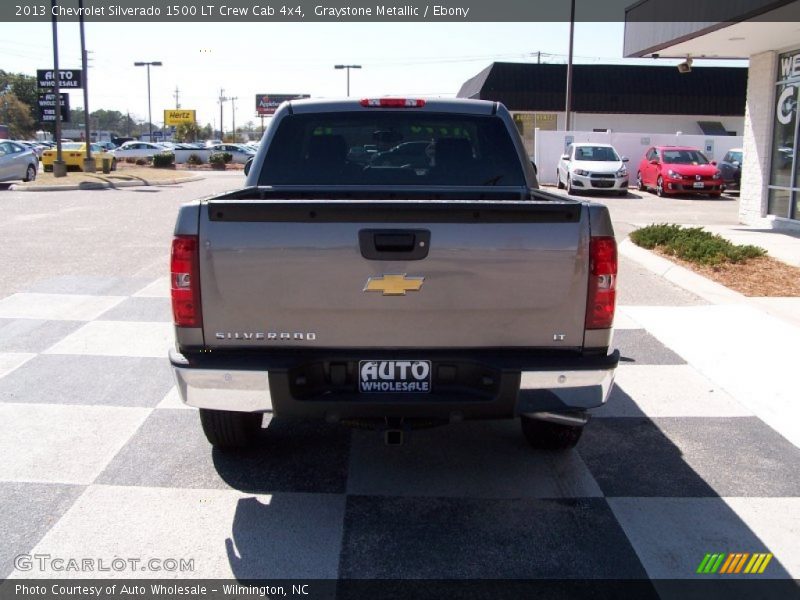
[(767, 32), (618, 98)]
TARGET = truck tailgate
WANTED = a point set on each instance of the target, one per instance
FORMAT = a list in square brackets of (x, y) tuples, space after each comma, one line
[(296, 274)]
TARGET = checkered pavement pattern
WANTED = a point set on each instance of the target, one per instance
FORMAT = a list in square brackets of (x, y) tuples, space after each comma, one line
[(99, 458)]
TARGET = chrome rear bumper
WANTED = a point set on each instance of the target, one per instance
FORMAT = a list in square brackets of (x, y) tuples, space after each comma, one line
[(565, 391)]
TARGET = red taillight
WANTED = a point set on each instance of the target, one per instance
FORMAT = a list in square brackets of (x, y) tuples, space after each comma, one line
[(602, 282), (393, 102), (185, 281)]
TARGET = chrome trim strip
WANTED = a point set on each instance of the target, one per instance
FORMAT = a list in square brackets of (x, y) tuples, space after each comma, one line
[(573, 419)]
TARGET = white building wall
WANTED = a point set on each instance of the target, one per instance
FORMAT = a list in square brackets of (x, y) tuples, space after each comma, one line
[(632, 123), (549, 145), (757, 143)]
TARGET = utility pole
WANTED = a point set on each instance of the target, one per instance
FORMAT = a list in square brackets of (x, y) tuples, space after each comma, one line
[(569, 67), (89, 165), (59, 167), (177, 96), (222, 100), (233, 100)]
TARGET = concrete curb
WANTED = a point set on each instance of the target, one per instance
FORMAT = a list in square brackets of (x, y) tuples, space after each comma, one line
[(714, 292), (97, 185)]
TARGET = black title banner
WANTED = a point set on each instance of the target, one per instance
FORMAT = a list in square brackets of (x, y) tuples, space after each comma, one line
[(243, 11)]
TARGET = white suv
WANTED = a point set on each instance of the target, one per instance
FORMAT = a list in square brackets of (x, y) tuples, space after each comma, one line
[(589, 166)]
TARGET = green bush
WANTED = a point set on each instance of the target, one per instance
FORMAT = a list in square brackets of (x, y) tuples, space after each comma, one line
[(194, 159), (220, 158), (164, 160), (693, 244)]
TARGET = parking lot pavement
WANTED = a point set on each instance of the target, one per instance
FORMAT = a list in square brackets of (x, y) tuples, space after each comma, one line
[(96, 444), (100, 459)]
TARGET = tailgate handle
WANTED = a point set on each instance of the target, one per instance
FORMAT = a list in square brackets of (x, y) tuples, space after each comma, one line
[(394, 244)]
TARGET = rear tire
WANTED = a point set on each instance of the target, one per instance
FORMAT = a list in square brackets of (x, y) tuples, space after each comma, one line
[(550, 436), (559, 185), (113, 164), (30, 174), (229, 430)]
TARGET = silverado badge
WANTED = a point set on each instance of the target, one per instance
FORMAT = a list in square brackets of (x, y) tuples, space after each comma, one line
[(394, 285)]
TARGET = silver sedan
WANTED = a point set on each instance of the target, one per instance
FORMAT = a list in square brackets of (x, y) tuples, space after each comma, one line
[(17, 162)]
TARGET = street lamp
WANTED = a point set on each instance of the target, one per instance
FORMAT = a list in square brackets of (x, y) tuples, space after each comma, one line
[(348, 67), (155, 63)]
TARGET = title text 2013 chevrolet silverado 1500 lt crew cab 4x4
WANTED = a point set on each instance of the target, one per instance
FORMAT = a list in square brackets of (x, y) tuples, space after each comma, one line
[(392, 263)]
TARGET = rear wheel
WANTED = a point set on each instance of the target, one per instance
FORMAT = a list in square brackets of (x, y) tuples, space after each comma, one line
[(660, 188), (30, 174), (113, 164), (543, 435), (559, 185), (229, 430)]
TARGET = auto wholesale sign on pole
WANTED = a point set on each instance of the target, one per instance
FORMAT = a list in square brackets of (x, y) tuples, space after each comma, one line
[(70, 79), (47, 108), (267, 104)]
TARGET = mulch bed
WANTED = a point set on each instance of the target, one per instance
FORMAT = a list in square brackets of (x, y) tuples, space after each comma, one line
[(764, 276)]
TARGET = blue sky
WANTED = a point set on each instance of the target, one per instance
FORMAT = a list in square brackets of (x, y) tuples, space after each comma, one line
[(246, 59)]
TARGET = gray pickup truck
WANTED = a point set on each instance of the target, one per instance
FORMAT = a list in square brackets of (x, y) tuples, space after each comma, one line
[(391, 263)]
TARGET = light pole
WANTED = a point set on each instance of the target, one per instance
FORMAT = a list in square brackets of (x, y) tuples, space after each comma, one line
[(233, 100), (155, 63), (348, 67)]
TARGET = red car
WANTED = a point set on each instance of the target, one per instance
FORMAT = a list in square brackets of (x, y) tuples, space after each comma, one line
[(679, 170)]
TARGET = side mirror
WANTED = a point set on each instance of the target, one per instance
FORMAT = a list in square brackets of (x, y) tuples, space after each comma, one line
[(736, 164), (625, 159), (713, 163), (535, 170), (247, 166), (565, 157)]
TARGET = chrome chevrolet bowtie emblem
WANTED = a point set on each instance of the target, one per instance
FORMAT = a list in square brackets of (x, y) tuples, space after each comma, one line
[(697, 177), (394, 285)]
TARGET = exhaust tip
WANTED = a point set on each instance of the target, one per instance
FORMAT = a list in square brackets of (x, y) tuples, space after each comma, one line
[(393, 437)]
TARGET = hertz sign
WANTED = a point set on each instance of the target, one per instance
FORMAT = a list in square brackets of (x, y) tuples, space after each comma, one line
[(178, 117)]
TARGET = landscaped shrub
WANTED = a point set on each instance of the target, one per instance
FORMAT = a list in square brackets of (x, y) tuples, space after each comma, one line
[(164, 160), (194, 159), (693, 244), (218, 160)]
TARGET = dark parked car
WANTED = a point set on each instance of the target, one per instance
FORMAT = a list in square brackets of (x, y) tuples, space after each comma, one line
[(731, 168)]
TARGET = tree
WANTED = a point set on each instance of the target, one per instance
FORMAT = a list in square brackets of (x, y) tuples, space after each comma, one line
[(17, 115), (206, 133), (187, 132), (24, 88)]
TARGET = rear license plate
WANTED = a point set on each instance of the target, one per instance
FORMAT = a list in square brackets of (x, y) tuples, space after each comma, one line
[(394, 376), (698, 184)]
